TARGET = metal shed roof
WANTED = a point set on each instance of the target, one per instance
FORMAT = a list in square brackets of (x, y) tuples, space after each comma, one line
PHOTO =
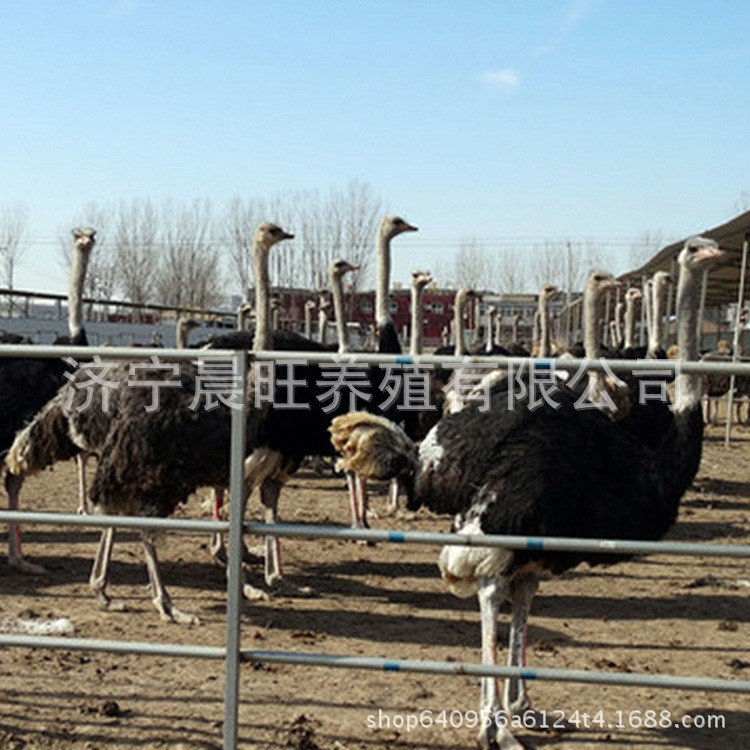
[(724, 280)]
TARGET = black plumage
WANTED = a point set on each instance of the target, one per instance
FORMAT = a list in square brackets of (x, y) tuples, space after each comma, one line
[(545, 471)]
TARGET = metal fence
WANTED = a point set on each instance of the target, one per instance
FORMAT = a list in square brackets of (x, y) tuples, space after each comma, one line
[(232, 653)]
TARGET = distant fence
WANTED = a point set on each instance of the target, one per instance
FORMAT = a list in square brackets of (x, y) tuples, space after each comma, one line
[(232, 653)]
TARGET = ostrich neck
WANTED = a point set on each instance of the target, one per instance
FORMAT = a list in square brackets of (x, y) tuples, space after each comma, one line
[(262, 339), (458, 325), (590, 326), (308, 322), (647, 306), (322, 326), (545, 346), (490, 329), (687, 328), (619, 314), (630, 323), (337, 292), (180, 334), (656, 332), (514, 331), (417, 295), (382, 316), (75, 293)]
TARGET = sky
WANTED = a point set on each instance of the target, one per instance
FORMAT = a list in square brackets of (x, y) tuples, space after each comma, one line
[(498, 121)]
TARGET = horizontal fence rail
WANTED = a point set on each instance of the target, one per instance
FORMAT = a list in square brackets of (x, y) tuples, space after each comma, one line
[(232, 653), (343, 533), (421, 666), (569, 364)]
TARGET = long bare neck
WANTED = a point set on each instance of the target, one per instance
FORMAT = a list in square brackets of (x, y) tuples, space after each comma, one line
[(513, 330), (459, 346), (383, 251), (75, 292), (262, 339), (322, 325), (687, 340), (630, 322), (490, 330), (417, 295), (619, 316), (308, 321), (337, 291), (656, 332), (590, 325), (648, 307), (545, 342)]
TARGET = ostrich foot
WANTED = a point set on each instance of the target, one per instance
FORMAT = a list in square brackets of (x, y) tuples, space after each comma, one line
[(498, 738), (111, 605), (253, 594), (281, 587), (24, 566), (250, 557), (170, 613)]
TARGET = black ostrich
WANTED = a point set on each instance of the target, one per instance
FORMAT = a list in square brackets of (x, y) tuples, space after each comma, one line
[(510, 470), (26, 385), (282, 438), (150, 460)]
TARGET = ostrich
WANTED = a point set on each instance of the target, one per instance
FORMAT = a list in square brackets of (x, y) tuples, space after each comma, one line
[(632, 297), (26, 385), (544, 345), (275, 457), (716, 385), (420, 280), (324, 307), (509, 470), (309, 307), (149, 463)]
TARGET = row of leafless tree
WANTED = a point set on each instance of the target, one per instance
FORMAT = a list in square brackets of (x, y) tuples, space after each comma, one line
[(526, 266), (187, 254)]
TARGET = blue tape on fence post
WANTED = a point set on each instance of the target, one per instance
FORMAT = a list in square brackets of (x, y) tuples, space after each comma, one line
[(396, 536), (391, 666), (535, 544)]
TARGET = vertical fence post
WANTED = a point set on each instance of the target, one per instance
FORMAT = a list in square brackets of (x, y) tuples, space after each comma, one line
[(234, 563), (736, 341)]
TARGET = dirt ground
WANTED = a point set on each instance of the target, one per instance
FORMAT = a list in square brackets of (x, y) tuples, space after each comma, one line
[(677, 616)]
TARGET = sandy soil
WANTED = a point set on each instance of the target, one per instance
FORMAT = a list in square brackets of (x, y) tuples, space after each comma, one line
[(658, 615)]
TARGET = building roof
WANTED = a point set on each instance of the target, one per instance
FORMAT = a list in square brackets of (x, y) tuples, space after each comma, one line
[(724, 280)]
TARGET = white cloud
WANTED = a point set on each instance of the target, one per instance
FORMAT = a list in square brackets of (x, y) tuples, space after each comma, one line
[(505, 77), (575, 14)]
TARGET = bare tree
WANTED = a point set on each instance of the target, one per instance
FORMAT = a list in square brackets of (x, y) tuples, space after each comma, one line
[(240, 220), (135, 249), (508, 272), (188, 273), (647, 245), (13, 220), (471, 268)]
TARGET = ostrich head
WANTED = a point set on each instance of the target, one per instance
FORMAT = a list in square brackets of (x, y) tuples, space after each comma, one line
[(633, 295), (548, 291), (84, 238), (700, 252), (600, 281), (311, 304), (420, 279), (337, 268), (268, 234), (391, 226)]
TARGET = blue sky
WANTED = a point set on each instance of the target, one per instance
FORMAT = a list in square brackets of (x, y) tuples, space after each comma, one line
[(536, 119)]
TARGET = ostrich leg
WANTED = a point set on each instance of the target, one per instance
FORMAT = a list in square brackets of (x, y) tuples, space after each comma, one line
[(492, 735), (13, 486), (161, 598), (98, 578)]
